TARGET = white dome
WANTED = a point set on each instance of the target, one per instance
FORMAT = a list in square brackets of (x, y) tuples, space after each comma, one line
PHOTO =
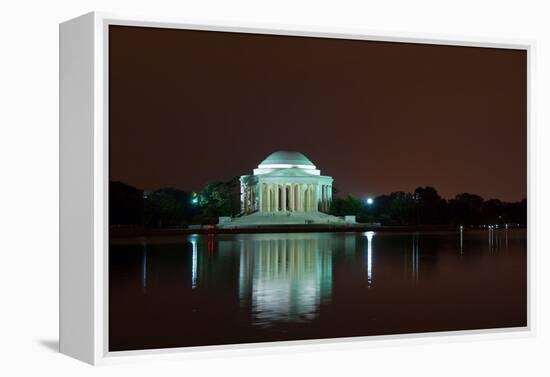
[(287, 159)]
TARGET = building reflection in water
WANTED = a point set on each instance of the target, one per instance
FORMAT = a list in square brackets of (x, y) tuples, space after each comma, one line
[(285, 277)]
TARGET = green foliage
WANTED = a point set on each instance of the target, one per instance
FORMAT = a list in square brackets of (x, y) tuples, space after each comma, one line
[(219, 199), (351, 206), (168, 207), (347, 206), (424, 206), (397, 208), (402, 210)]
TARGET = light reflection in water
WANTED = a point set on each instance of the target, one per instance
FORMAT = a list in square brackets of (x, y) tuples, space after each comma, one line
[(369, 235), (285, 277), (193, 240), (415, 257), (144, 266), (495, 238), (506, 239), (461, 240)]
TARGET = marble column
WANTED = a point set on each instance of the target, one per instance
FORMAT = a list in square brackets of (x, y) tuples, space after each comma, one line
[(260, 197), (300, 198), (291, 201), (317, 196), (323, 197), (326, 197), (312, 198), (276, 198), (269, 197), (298, 195), (284, 197), (304, 198)]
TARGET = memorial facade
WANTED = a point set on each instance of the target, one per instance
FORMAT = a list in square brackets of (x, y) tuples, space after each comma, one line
[(285, 182)]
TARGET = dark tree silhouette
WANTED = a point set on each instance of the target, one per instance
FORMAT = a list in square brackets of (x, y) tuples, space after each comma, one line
[(168, 207), (172, 207), (431, 207), (466, 209), (125, 204)]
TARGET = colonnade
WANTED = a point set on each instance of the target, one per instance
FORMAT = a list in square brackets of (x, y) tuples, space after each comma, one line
[(325, 197), (293, 197)]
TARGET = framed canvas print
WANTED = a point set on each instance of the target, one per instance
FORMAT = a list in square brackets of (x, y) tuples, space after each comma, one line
[(224, 187)]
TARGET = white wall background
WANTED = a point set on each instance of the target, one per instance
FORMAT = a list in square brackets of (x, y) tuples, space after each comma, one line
[(29, 184)]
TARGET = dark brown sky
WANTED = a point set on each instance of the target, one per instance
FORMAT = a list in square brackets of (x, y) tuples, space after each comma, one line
[(188, 107)]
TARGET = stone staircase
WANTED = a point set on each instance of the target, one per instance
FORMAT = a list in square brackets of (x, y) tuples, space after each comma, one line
[(283, 218)]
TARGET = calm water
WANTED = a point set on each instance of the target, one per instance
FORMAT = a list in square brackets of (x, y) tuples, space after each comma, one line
[(222, 289)]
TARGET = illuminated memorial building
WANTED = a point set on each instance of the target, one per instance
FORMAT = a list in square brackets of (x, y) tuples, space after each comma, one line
[(286, 188), (285, 182)]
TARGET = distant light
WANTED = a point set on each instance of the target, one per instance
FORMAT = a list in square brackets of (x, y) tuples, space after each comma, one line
[(195, 200), (370, 201), (369, 235)]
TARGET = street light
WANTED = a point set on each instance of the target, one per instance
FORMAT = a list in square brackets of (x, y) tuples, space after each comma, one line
[(370, 201), (195, 199)]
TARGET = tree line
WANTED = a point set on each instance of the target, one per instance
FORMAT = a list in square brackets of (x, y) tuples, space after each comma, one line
[(169, 207), (424, 206)]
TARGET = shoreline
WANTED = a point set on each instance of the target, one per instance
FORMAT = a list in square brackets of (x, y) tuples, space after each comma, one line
[(313, 228)]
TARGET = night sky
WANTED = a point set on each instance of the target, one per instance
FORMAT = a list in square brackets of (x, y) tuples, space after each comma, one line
[(189, 107)]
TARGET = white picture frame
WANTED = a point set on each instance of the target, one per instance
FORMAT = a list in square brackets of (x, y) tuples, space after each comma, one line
[(84, 189)]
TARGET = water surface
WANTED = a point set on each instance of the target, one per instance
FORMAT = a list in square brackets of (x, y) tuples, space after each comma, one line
[(224, 289)]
